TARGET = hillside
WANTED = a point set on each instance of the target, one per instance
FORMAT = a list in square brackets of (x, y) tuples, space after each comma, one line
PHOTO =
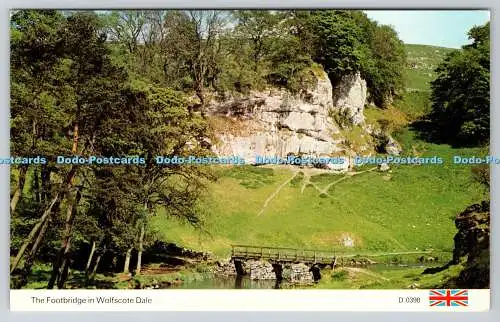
[(410, 208), (422, 60)]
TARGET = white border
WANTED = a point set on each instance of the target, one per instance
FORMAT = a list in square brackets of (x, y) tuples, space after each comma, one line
[(242, 300)]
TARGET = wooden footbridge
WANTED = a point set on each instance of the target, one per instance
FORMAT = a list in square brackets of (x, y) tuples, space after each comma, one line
[(315, 259), (309, 256), (282, 254)]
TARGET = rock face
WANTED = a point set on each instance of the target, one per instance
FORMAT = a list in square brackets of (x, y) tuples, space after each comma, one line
[(350, 97), (225, 268), (392, 146), (473, 240), (277, 123)]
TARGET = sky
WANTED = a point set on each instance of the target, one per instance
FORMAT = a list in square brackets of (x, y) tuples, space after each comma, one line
[(439, 28)]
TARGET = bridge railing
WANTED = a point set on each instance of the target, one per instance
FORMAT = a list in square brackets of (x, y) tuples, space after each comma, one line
[(282, 254)]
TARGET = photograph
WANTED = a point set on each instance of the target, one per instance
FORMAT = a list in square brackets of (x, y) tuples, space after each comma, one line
[(279, 149)]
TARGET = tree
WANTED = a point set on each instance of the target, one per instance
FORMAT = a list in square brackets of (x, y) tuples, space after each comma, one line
[(36, 56), (461, 92), (195, 37), (383, 69), (337, 42), (260, 27), (346, 42)]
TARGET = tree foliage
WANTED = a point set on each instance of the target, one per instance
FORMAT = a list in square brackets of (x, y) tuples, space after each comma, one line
[(70, 97), (461, 92), (136, 83)]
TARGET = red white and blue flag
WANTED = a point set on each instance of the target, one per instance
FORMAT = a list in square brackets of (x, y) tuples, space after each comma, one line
[(456, 297)]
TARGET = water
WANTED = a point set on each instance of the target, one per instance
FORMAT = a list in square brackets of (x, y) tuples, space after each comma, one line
[(228, 283), (244, 282)]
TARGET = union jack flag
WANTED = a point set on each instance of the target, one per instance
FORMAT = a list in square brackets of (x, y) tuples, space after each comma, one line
[(449, 298)]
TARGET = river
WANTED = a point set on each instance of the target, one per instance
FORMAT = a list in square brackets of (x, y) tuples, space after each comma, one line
[(244, 282)]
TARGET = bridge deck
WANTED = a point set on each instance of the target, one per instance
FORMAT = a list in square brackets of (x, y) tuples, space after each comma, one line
[(279, 254)]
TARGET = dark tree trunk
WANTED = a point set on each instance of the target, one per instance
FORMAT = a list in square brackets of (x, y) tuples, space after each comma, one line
[(45, 178), (63, 254), (139, 251), (96, 265), (126, 266), (19, 189), (28, 264), (53, 207)]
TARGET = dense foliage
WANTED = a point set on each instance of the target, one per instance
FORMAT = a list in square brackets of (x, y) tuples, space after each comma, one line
[(69, 98), (137, 83), (225, 53), (461, 92)]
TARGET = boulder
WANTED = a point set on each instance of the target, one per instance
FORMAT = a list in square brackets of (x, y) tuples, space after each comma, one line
[(384, 167), (393, 147)]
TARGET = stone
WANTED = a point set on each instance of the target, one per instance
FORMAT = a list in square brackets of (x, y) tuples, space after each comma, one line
[(261, 270), (300, 274), (393, 147), (224, 268), (384, 167)]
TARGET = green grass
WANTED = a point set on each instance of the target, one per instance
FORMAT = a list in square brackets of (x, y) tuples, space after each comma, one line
[(414, 104), (422, 61), (385, 278), (411, 208)]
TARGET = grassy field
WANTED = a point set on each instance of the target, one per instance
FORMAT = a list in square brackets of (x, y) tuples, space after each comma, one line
[(384, 278), (422, 61), (410, 209)]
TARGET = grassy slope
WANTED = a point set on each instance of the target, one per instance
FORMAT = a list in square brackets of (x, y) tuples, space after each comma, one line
[(422, 61), (414, 209), (411, 210)]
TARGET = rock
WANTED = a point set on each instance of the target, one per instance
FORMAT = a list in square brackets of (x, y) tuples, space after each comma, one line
[(277, 123), (384, 167), (300, 274), (346, 240), (473, 241), (393, 147), (224, 268), (261, 270), (350, 96)]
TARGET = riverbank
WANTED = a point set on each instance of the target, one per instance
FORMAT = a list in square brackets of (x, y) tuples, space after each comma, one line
[(204, 276)]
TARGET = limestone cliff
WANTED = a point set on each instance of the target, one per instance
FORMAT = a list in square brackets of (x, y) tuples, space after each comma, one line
[(277, 123)]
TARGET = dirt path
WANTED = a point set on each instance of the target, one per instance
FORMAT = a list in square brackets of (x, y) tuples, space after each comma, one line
[(275, 193), (348, 174), (307, 181)]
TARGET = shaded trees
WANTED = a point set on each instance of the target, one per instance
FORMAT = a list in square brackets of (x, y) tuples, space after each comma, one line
[(461, 92), (93, 110)]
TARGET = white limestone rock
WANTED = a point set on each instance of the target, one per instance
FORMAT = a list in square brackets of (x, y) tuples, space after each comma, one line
[(350, 96)]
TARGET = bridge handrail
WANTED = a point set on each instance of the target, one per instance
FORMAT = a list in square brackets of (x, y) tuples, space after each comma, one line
[(282, 248)]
